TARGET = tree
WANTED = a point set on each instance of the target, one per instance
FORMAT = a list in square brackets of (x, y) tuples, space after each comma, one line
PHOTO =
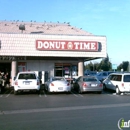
[(124, 65), (105, 64), (89, 66)]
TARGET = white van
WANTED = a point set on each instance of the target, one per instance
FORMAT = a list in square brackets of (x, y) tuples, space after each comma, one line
[(120, 82)]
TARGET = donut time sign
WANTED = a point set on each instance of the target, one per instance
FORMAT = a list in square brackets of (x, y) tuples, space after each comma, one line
[(60, 45)]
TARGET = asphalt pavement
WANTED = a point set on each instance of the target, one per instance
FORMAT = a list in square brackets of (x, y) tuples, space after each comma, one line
[(62, 111)]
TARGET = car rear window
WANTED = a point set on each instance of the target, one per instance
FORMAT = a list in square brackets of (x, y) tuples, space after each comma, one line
[(126, 78), (54, 79), (27, 76), (89, 79)]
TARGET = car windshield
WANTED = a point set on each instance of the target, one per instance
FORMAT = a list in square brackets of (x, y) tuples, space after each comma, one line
[(89, 79), (126, 78), (27, 76)]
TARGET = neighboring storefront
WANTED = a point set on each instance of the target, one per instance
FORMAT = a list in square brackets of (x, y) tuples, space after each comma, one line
[(51, 55)]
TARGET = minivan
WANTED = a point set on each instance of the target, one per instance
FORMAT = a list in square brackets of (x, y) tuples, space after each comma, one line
[(120, 82)]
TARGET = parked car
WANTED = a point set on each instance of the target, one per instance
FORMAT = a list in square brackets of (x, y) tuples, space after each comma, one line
[(88, 83), (0, 85), (102, 75), (57, 84), (0, 88), (26, 81), (120, 82), (88, 72)]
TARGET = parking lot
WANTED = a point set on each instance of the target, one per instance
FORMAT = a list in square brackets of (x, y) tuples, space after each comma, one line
[(56, 111), (43, 94)]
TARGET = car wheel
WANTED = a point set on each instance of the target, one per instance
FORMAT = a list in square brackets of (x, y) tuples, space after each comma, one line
[(15, 92), (118, 91)]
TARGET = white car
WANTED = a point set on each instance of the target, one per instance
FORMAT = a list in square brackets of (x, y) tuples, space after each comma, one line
[(26, 81), (57, 84), (120, 82)]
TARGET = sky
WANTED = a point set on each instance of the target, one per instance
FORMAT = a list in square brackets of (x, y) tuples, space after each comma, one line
[(110, 18)]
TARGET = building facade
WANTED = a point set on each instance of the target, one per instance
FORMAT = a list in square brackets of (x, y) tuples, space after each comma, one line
[(55, 54)]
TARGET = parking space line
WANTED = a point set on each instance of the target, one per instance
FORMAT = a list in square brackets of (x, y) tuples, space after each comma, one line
[(80, 95), (43, 93), (113, 94), (74, 94), (1, 95), (4, 94), (40, 95), (6, 91), (77, 95), (9, 94)]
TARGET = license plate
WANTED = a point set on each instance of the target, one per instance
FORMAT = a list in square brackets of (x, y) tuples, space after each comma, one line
[(60, 88), (27, 83), (93, 85)]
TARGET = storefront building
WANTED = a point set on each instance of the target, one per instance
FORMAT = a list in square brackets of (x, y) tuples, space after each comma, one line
[(55, 49)]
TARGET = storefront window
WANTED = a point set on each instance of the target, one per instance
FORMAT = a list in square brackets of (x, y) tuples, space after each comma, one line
[(58, 73), (21, 66), (66, 70), (74, 70), (58, 70)]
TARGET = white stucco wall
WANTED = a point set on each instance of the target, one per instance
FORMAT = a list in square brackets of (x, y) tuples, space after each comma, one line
[(41, 66), (24, 45)]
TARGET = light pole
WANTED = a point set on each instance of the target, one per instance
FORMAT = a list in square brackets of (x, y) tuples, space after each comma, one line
[(93, 66)]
